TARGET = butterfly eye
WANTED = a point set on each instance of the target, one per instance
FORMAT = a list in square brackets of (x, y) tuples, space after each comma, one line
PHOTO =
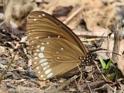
[(56, 49)]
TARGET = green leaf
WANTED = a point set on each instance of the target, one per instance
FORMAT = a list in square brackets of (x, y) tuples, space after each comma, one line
[(108, 64), (105, 65), (102, 63)]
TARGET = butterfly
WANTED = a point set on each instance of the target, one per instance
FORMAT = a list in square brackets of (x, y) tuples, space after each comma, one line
[(55, 49)]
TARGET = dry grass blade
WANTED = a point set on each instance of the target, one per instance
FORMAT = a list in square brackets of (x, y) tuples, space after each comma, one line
[(67, 82)]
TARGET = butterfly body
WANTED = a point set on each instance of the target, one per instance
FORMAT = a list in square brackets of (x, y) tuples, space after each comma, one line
[(55, 48)]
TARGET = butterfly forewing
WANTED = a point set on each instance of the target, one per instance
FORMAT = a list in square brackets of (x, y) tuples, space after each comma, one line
[(55, 48)]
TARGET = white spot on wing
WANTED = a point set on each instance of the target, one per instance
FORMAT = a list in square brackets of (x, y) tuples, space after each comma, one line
[(49, 75), (35, 62), (35, 54), (41, 76), (44, 64), (46, 67), (58, 36), (48, 71), (41, 55), (44, 78), (37, 37), (43, 14), (35, 19), (39, 15), (35, 58), (38, 46), (43, 60), (42, 43), (37, 50), (42, 49), (38, 72), (62, 48), (37, 68), (49, 37), (47, 43), (58, 57)]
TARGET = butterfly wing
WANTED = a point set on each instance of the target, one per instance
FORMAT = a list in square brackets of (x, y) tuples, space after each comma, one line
[(56, 49)]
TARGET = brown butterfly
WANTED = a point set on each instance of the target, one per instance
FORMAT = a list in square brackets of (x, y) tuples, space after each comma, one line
[(55, 48)]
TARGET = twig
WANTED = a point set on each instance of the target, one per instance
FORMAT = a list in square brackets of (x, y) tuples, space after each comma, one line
[(108, 42), (108, 52), (104, 87), (116, 48), (91, 36), (67, 82), (92, 85), (100, 71), (80, 72), (57, 90), (72, 16), (89, 87), (115, 90), (95, 84)]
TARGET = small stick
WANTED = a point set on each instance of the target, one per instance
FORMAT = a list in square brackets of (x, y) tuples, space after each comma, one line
[(72, 16), (95, 84), (80, 72), (116, 48), (105, 86), (100, 71), (67, 82), (91, 36), (89, 87), (108, 42)]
